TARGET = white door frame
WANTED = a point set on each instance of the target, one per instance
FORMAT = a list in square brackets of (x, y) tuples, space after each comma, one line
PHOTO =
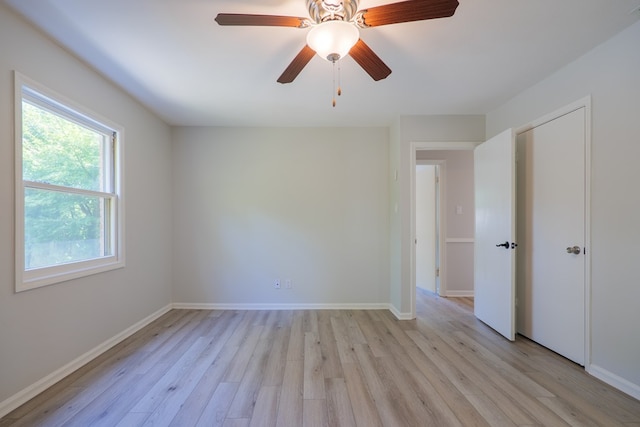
[(586, 104), (414, 147)]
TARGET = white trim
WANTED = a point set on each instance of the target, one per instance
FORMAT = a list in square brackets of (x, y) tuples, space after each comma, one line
[(459, 294), (399, 315), (586, 104), (241, 306), (415, 146), (348, 306), (614, 380), (38, 387), (563, 111), (460, 240)]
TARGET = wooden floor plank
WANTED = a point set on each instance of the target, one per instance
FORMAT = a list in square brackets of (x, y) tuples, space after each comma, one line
[(343, 342), (339, 408), (247, 394), (510, 381), (201, 395), (295, 351), (572, 405), (314, 413), (236, 422), (313, 381), (290, 406), (390, 410), (331, 366), (166, 385), (456, 401), (469, 381), (266, 409), (414, 386), (274, 369), (362, 403), (245, 352), (372, 331), (215, 413)]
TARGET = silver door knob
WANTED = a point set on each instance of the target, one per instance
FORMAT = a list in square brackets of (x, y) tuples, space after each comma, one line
[(573, 250)]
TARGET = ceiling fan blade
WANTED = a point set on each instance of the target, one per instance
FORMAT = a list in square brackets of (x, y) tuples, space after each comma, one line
[(298, 63), (408, 11), (369, 61), (261, 20)]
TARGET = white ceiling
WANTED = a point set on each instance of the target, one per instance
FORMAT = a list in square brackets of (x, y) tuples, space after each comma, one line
[(173, 57)]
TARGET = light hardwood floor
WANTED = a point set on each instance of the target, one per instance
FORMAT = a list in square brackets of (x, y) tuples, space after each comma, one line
[(326, 367)]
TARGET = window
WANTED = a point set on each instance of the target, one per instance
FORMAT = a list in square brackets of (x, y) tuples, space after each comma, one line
[(69, 218)]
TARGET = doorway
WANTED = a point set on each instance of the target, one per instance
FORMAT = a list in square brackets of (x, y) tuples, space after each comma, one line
[(461, 245)]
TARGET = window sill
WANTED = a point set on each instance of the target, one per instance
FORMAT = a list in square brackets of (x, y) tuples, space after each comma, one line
[(38, 278)]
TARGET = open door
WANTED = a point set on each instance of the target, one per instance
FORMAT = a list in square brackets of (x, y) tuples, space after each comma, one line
[(494, 265)]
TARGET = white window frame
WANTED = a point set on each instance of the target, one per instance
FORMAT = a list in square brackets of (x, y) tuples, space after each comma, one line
[(38, 277)]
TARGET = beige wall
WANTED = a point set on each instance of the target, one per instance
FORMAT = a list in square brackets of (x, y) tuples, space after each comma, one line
[(609, 73), (254, 205), (44, 329)]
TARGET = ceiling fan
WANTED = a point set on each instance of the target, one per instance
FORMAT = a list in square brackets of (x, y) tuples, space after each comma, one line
[(334, 29)]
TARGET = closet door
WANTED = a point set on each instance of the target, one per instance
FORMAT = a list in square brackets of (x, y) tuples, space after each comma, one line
[(551, 234)]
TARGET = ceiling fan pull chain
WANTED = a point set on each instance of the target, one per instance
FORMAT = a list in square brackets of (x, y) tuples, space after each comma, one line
[(339, 78), (333, 63)]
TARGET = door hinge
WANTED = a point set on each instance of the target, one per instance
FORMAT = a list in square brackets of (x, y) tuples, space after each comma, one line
[(437, 272)]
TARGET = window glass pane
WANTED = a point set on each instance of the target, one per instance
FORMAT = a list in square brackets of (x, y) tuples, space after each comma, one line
[(60, 228), (60, 152)]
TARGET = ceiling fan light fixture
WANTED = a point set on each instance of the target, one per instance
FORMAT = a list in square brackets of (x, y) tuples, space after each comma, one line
[(333, 40)]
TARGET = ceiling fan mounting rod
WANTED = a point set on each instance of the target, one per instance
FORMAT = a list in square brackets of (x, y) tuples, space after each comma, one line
[(332, 10)]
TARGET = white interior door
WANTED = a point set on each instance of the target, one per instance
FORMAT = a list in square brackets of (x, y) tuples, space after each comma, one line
[(494, 265), (551, 223), (438, 225), (426, 235)]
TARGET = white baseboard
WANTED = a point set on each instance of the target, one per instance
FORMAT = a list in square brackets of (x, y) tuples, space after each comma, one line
[(369, 306), (400, 315), (348, 306), (214, 306), (614, 380), (38, 387), (458, 294)]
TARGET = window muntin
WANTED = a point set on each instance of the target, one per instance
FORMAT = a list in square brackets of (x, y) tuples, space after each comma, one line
[(68, 192)]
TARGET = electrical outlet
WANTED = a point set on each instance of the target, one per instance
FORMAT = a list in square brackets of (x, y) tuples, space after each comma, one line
[(288, 284), (276, 284)]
